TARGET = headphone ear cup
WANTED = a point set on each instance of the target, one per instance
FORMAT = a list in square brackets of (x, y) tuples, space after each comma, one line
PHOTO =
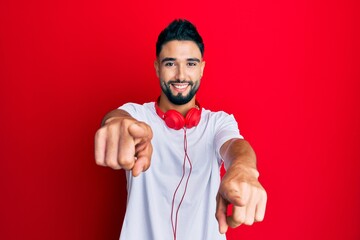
[(174, 119), (192, 118)]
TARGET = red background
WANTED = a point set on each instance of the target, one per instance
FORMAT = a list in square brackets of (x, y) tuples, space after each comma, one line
[(287, 70)]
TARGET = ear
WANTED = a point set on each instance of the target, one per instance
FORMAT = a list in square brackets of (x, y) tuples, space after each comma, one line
[(202, 68), (156, 65)]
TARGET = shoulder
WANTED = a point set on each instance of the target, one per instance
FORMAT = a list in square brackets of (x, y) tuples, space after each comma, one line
[(221, 122), (137, 106), (139, 111), (217, 116)]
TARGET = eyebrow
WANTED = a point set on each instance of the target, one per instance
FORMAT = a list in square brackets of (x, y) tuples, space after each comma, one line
[(167, 59), (173, 59)]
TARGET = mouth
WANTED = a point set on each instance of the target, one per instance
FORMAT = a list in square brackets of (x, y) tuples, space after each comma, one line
[(180, 87)]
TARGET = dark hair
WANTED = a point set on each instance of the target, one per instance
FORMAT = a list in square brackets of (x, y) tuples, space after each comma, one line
[(182, 30)]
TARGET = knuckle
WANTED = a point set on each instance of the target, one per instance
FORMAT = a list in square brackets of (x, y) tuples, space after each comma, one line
[(126, 122), (112, 127), (110, 161), (150, 131), (259, 218), (235, 224), (240, 220), (99, 162), (228, 185), (240, 201), (126, 163), (100, 132), (264, 194), (237, 221), (249, 221), (112, 165)]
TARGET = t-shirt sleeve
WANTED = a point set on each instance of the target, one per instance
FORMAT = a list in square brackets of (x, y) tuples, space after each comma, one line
[(226, 129), (134, 109)]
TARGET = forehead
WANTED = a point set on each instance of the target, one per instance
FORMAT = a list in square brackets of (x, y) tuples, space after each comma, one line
[(180, 49)]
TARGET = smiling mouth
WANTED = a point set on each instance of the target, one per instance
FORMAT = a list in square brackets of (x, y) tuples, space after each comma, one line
[(180, 86)]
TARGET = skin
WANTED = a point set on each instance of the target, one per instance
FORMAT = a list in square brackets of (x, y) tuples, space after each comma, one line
[(125, 143)]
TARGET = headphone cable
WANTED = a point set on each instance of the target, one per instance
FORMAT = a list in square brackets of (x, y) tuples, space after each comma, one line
[(186, 157)]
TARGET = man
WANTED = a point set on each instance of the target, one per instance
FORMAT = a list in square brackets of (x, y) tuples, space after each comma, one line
[(180, 194)]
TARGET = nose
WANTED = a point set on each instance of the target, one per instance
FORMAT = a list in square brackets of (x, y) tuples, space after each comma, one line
[(181, 72)]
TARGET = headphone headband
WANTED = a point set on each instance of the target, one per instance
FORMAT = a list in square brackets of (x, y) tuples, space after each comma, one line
[(175, 120)]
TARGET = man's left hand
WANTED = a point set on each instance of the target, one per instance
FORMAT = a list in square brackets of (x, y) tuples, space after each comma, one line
[(241, 188)]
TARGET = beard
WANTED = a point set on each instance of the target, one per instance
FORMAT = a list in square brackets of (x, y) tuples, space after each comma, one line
[(179, 99)]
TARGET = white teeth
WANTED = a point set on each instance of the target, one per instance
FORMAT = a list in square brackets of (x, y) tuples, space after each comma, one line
[(180, 86)]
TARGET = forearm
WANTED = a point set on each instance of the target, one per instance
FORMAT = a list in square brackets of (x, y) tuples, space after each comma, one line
[(240, 186), (114, 114), (237, 153)]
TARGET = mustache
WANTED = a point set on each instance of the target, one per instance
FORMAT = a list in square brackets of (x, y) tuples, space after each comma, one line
[(191, 83)]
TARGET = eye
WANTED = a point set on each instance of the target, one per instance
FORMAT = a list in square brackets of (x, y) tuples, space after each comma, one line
[(169, 64), (192, 64)]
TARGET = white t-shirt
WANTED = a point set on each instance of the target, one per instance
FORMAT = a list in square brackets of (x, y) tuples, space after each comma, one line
[(150, 195)]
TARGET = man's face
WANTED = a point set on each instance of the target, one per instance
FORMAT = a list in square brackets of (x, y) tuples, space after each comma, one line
[(179, 68)]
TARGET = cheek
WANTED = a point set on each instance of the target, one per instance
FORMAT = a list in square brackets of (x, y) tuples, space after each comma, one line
[(196, 74), (166, 75)]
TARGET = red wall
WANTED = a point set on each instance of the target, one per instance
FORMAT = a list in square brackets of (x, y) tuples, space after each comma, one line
[(288, 70)]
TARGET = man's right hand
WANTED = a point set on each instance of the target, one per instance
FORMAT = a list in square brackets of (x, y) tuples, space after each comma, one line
[(124, 143)]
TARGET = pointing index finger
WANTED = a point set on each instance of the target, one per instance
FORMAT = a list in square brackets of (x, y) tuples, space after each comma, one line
[(221, 214), (140, 130)]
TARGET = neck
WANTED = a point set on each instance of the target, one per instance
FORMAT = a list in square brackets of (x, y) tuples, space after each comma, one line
[(166, 105)]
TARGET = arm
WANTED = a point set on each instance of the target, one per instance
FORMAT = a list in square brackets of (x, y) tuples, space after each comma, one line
[(123, 142), (240, 187)]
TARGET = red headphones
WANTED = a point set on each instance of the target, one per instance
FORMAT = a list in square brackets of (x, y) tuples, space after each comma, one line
[(175, 120)]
